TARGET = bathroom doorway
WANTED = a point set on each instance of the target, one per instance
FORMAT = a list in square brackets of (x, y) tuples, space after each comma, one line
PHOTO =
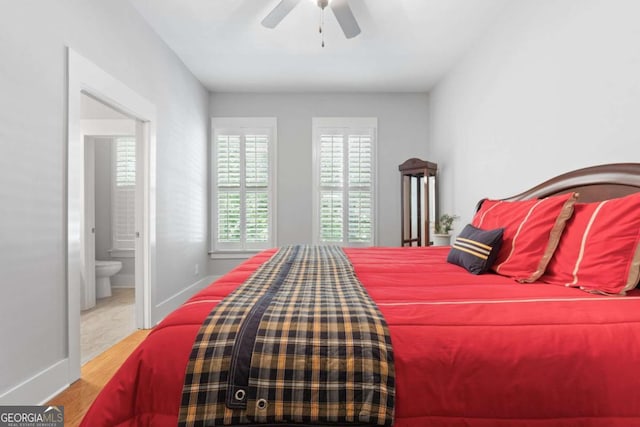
[(86, 78), (108, 278)]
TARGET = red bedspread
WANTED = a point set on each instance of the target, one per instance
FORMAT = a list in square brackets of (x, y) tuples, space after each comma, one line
[(469, 350)]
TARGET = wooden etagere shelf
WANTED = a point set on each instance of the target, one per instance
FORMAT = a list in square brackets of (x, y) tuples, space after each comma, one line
[(417, 178)]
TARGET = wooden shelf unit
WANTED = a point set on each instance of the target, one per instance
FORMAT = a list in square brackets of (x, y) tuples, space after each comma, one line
[(415, 175)]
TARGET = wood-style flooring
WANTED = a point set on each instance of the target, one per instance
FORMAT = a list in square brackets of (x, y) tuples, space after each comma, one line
[(78, 397)]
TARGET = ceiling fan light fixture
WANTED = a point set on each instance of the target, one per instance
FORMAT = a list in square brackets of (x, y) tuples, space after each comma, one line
[(340, 9)]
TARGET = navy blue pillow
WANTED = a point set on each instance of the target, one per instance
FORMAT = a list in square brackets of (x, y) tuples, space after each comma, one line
[(476, 249)]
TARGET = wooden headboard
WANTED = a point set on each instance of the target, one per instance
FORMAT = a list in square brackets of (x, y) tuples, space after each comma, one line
[(594, 183)]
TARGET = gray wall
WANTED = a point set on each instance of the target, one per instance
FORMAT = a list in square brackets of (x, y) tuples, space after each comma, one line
[(402, 133), (553, 87), (33, 291)]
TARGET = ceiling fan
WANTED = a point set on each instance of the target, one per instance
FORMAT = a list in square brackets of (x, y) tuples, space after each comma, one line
[(340, 9)]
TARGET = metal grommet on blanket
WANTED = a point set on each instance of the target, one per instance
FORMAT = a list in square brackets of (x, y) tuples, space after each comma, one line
[(262, 404), (239, 395)]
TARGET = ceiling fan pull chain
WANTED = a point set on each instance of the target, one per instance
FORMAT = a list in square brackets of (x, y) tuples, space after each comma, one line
[(322, 25)]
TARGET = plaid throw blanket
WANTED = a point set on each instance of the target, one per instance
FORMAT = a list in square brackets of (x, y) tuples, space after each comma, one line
[(299, 341)]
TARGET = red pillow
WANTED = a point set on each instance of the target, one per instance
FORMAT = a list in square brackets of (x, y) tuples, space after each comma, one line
[(532, 229), (600, 248)]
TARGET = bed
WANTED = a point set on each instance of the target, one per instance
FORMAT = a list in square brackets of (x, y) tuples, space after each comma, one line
[(468, 349)]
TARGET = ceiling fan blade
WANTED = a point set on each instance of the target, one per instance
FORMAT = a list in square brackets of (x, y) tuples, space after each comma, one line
[(345, 18), (279, 12)]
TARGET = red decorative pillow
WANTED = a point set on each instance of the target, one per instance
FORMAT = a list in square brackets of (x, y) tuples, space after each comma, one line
[(532, 229), (600, 248)]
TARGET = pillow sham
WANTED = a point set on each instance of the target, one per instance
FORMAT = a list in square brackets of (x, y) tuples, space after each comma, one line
[(532, 229), (475, 249), (600, 248)]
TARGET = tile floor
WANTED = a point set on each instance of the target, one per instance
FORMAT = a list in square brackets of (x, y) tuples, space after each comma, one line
[(111, 320)]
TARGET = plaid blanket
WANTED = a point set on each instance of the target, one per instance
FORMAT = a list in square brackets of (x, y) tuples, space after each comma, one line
[(299, 341)]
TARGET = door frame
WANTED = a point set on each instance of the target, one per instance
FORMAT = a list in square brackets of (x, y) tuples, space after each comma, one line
[(88, 240), (86, 77)]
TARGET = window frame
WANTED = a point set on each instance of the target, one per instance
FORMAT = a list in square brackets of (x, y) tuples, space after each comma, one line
[(243, 126), (346, 125)]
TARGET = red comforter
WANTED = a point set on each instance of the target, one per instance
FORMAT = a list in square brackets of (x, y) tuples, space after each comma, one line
[(469, 350)]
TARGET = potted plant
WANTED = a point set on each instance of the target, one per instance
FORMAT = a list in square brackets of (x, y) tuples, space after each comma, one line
[(443, 227)]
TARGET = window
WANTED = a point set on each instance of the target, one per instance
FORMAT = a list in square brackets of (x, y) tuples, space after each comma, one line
[(344, 180), (123, 192), (243, 184)]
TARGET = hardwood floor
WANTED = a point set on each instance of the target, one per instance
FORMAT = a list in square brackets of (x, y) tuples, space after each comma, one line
[(95, 374)]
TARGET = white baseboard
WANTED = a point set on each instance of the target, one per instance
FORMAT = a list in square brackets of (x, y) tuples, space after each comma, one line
[(39, 388), (167, 306), (123, 281)]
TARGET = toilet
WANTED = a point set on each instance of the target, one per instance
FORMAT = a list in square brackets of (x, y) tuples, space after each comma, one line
[(104, 271)]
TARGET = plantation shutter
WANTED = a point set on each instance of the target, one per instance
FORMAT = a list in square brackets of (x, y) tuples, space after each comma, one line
[(242, 181), (124, 192), (360, 192), (229, 190), (257, 184), (331, 188), (345, 185)]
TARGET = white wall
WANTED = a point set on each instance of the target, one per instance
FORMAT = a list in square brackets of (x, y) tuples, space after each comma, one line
[(33, 39), (553, 87), (402, 133)]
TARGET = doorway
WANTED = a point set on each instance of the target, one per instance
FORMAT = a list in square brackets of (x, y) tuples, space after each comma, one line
[(85, 79), (107, 293)]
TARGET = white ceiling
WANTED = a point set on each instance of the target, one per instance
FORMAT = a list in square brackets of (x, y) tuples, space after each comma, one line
[(405, 45)]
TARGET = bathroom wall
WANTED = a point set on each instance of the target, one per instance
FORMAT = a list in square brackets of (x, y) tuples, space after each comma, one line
[(107, 127), (103, 197), (103, 172)]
